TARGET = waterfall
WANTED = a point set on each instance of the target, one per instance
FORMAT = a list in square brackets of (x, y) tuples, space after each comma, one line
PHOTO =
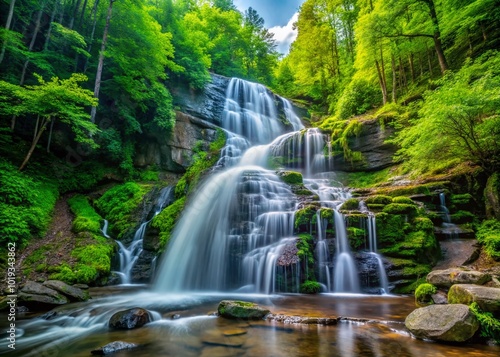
[(451, 230), (104, 229), (237, 231), (128, 256), (372, 244)]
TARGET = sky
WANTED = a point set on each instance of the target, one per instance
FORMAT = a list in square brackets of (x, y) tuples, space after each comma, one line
[(279, 16)]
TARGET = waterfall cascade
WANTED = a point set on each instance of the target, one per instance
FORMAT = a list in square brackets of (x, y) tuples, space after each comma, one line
[(238, 232), (451, 230), (128, 255)]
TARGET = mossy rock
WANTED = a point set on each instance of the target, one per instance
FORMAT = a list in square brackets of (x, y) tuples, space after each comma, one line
[(327, 213), (290, 177), (350, 204), (241, 310), (357, 237), (403, 199), (375, 207), (423, 294), (401, 208), (488, 235), (462, 217), (304, 217), (379, 199), (310, 287)]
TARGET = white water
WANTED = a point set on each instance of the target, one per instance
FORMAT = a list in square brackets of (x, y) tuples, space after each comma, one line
[(237, 231), (450, 229), (372, 239), (129, 255)]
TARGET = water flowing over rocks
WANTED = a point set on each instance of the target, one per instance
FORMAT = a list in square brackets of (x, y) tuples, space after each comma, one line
[(447, 278), (113, 347), (487, 298), (130, 319), (241, 310), (448, 323)]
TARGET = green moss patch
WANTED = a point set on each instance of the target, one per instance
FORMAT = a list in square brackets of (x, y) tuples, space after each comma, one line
[(423, 294), (488, 235), (350, 204), (310, 287), (166, 220), (304, 218), (290, 177), (86, 218)]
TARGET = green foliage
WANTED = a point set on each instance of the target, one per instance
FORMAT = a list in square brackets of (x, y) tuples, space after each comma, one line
[(327, 213), (86, 218), (304, 217), (26, 205), (310, 287), (357, 237), (379, 199), (490, 326), (305, 249), (423, 294), (350, 204), (358, 97), (363, 179), (423, 224), (390, 228), (166, 220), (488, 234), (461, 217), (118, 205)]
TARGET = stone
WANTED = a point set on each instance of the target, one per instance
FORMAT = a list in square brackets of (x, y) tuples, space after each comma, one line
[(35, 295), (234, 332), (448, 323), (241, 310), (487, 298), (448, 277), (130, 319), (73, 293), (217, 338), (440, 297), (113, 347)]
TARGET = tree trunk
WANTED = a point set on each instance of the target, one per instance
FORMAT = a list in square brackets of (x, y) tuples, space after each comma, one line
[(33, 145), (381, 81), (382, 71), (75, 12), (50, 135), (429, 61), (100, 65), (82, 13), (32, 43), (437, 36), (402, 73), (89, 48), (393, 67), (49, 32), (7, 27), (421, 64), (412, 67)]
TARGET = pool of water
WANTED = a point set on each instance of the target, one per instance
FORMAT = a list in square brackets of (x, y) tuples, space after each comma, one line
[(373, 327)]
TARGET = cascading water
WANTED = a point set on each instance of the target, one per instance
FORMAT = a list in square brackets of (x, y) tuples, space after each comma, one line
[(451, 230), (237, 231), (372, 243), (129, 255)]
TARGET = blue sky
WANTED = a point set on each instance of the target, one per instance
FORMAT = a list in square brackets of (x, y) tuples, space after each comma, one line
[(278, 15)]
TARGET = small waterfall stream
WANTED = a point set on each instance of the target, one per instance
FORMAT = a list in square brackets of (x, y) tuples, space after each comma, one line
[(128, 255), (451, 230)]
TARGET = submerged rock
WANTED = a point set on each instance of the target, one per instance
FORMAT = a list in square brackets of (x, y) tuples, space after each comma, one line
[(130, 319), (114, 347), (487, 298), (449, 323), (72, 292), (241, 310), (449, 277)]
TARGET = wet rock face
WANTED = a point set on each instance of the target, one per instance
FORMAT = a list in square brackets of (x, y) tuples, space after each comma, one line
[(130, 319), (73, 293), (371, 143), (241, 310), (449, 277), (35, 295), (448, 323)]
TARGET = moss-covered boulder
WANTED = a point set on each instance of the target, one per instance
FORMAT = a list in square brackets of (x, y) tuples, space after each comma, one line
[(423, 294), (447, 323), (241, 310), (487, 298), (448, 277), (290, 177)]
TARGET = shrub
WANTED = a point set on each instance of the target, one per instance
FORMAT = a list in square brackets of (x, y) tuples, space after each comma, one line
[(490, 326), (488, 235), (358, 97)]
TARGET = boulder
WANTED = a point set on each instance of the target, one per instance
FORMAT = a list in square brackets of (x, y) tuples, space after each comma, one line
[(113, 347), (73, 293), (130, 319), (448, 323), (34, 294), (487, 298), (241, 310), (447, 278)]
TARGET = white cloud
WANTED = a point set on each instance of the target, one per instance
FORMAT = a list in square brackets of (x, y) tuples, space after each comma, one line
[(285, 35)]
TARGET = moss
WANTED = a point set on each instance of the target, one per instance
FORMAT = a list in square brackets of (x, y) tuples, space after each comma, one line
[(462, 217), (401, 208), (350, 204), (356, 220), (327, 213), (305, 249), (420, 246), (310, 287), (461, 199), (390, 228), (363, 179), (119, 204), (379, 199), (290, 177), (425, 189), (357, 237), (488, 235), (304, 217), (423, 294), (403, 199), (86, 218), (423, 224), (490, 326), (410, 287), (375, 207), (166, 220)]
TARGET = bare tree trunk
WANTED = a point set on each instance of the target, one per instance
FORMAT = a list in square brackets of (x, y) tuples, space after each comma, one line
[(100, 65), (7, 27), (75, 12), (412, 67), (421, 64), (82, 13), (437, 36), (381, 81), (393, 67), (49, 32), (33, 144), (89, 48), (382, 71), (50, 135), (32, 43)]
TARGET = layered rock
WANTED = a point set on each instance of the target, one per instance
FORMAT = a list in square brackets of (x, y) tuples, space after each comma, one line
[(73, 293), (448, 323), (241, 310), (447, 278)]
